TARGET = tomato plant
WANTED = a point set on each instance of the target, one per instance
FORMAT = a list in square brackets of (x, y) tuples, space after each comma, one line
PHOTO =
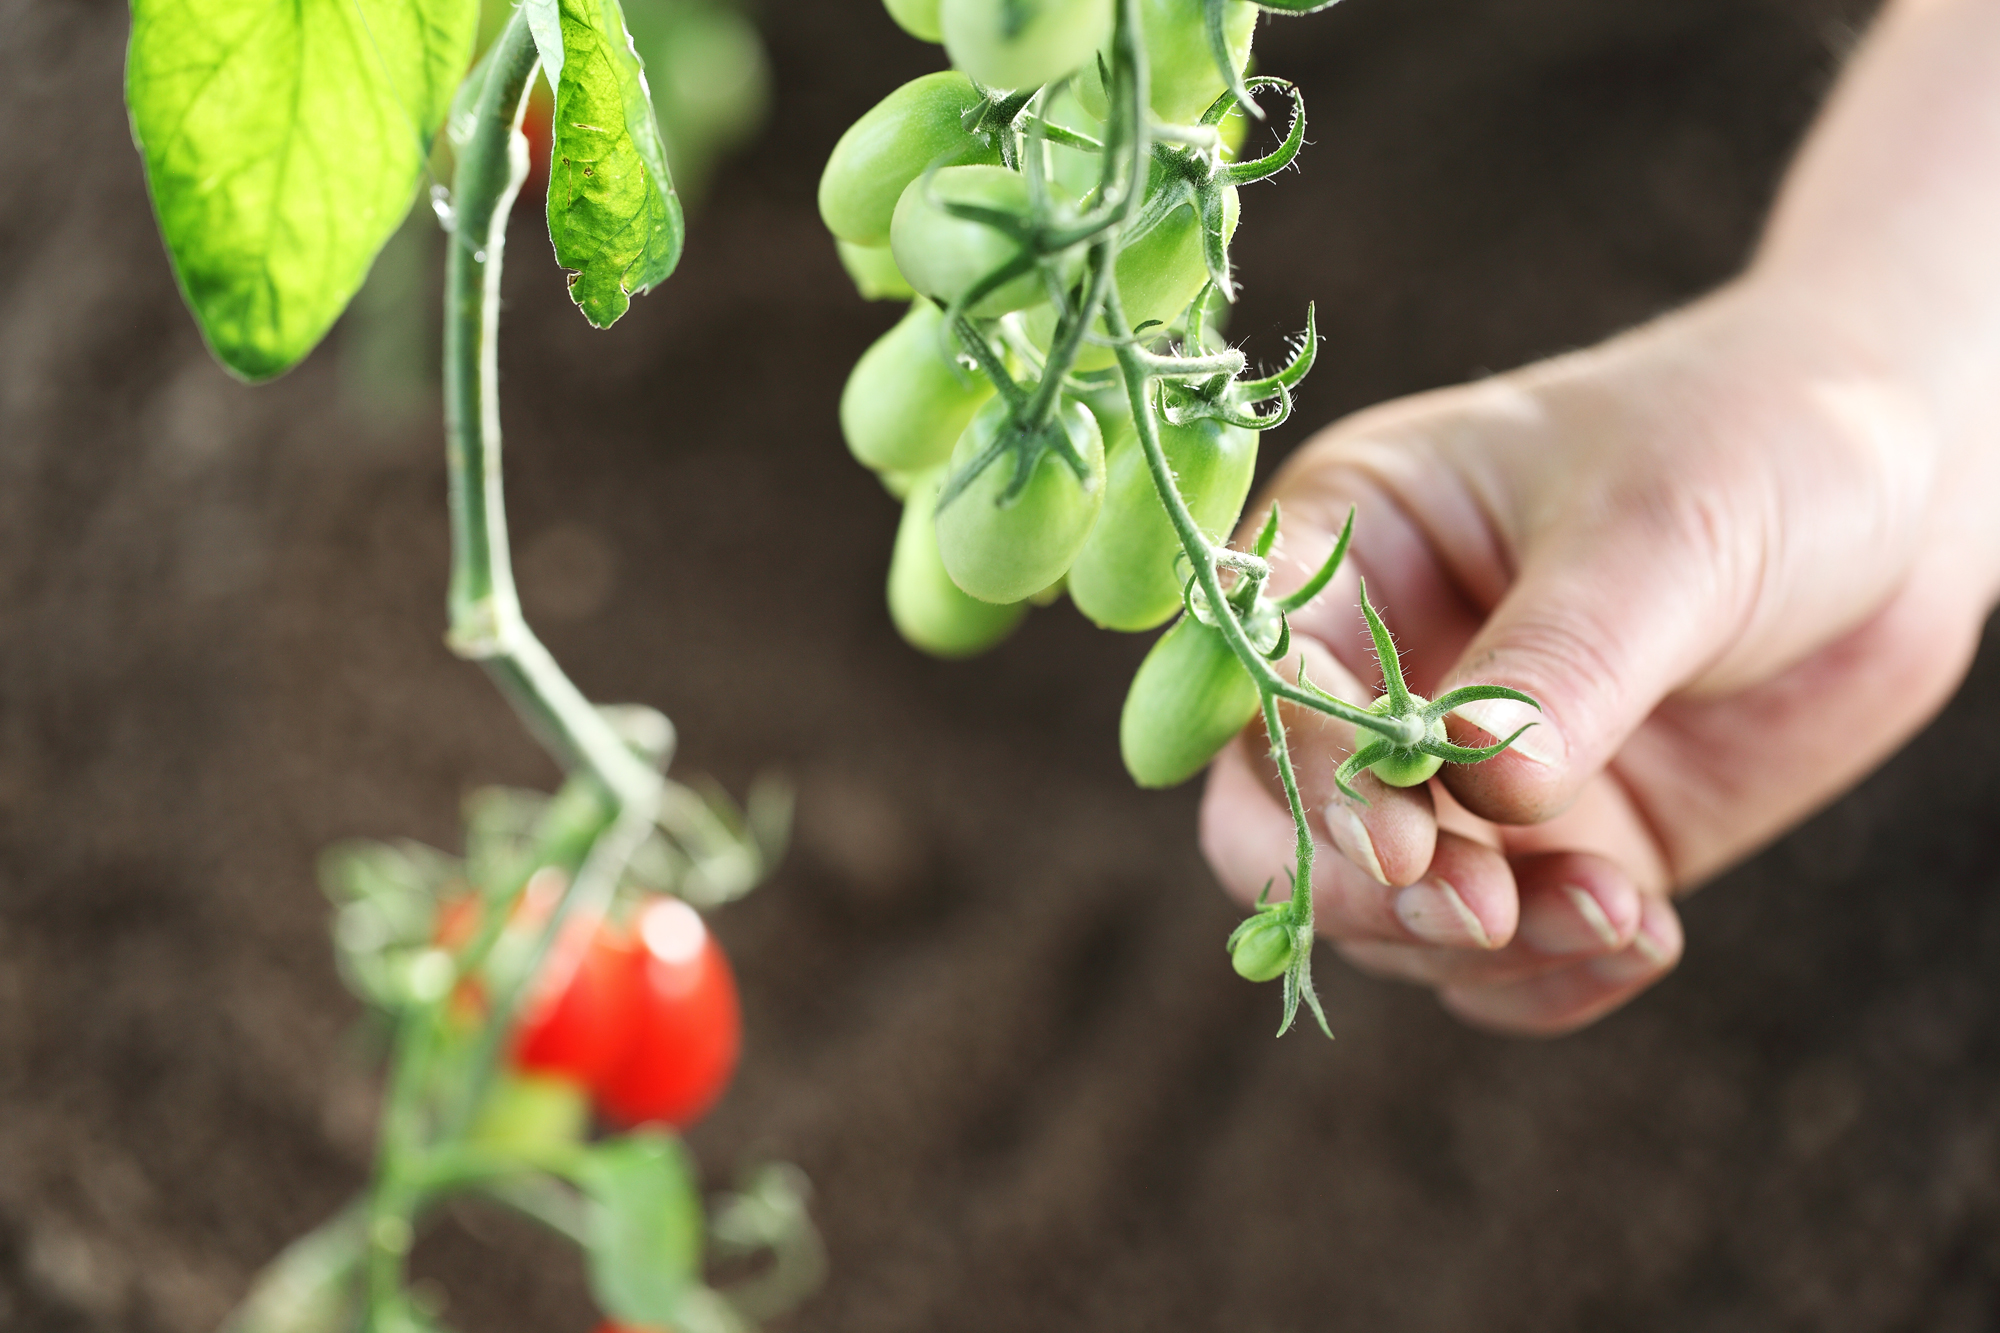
[(1080, 262), (520, 981)]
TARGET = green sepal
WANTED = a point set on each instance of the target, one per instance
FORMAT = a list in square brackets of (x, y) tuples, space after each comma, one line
[(282, 145), (613, 214), (1267, 536), (1313, 586), (1466, 694), (1353, 766), (1465, 754), (1386, 658)]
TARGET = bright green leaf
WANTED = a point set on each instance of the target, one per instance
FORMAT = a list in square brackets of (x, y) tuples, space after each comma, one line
[(613, 214), (283, 140), (645, 1227)]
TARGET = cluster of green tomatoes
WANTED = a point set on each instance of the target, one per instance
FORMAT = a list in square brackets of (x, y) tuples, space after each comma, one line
[(924, 205), (1056, 410)]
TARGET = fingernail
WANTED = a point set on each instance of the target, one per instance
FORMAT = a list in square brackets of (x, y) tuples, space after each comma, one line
[(1571, 921), (1501, 718), (1651, 955), (1351, 836), (1431, 910)]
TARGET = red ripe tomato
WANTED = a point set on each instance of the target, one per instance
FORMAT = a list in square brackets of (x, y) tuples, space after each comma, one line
[(578, 1019), (687, 1029)]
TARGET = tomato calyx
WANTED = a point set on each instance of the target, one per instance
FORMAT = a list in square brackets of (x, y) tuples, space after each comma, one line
[(1411, 750), (1026, 442)]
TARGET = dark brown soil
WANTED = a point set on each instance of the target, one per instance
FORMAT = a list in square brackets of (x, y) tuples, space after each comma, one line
[(988, 1007)]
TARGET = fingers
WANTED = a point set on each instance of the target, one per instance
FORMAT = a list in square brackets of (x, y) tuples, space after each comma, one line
[(1464, 899), (1565, 998), (1572, 906), (1589, 942)]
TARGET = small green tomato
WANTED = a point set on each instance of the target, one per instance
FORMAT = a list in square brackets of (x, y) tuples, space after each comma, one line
[(1125, 576), (929, 610), (874, 271), (881, 153), (1023, 43), (1158, 275), (905, 403), (1006, 551), (1408, 768), (1262, 949), (919, 18), (1189, 697), (945, 257), (1184, 78)]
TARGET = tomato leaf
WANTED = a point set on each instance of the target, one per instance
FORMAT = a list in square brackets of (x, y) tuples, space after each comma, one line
[(645, 1228), (283, 141), (613, 214)]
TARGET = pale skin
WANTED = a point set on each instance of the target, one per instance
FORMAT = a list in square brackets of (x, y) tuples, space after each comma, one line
[(1740, 554)]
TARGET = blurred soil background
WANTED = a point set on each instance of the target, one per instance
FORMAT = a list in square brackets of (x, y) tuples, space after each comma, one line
[(988, 1007)]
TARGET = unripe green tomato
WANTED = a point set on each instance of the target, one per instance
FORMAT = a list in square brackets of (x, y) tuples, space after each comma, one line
[(1188, 698), (944, 256), (905, 404), (873, 268), (1264, 951), (1124, 577), (1411, 767), (1023, 43), (1185, 81), (528, 1111), (1158, 275), (919, 18), (881, 153), (929, 610), (1005, 552)]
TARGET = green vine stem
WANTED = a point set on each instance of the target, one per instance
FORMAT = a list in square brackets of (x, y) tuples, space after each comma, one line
[(486, 621)]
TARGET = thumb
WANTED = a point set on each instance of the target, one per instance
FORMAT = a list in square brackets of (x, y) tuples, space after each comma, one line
[(1599, 627)]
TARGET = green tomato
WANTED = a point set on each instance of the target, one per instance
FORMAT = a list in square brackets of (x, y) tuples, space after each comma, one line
[(873, 268), (1158, 275), (881, 153), (1005, 552), (1185, 80), (919, 18), (1407, 768), (1023, 43), (1263, 951), (1188, 698), (929, 610), (1124, 577), (906, 403), (528, 1111), (944, 256)]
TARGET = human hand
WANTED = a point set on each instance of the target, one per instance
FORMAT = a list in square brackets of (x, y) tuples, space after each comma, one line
[(1730, 555)]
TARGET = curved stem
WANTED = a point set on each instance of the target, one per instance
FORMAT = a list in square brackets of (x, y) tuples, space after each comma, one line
[(486, 622)]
